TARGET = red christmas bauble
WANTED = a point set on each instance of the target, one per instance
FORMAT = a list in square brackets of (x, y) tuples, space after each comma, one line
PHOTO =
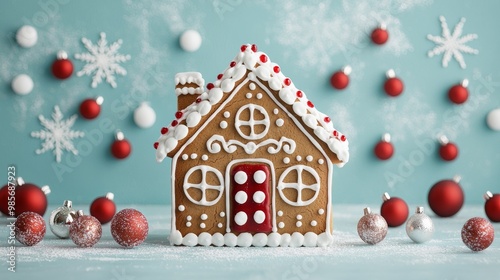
[(384, 149), (393, 86), (103, 208), (458, 94), (448, 151), (339, 80), (62, 68), (85, 231), (29, 228), (121, 148), (492, 207), (4, 200), (129, 227), (446, 198), (478, 234), (394, 210), (380, 36), (90, 109), (30, 198)]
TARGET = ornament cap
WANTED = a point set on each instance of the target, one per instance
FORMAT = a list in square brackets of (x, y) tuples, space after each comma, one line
[(488, 195), (386, 196), (386, 137), (68, 203), (367, 211), (390, 74), (419, 210), (382, 26), (45, 189), (347, 70), (20, 181), (443, 140), (457, 178), (464, 83), (119, 135), (62, 55), (80, 213), (99, 100), (110, 196)]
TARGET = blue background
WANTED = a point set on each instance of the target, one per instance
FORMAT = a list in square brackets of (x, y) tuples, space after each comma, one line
[(309, 41)]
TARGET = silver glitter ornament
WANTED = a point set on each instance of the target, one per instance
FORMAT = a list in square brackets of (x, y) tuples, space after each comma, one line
[(61, 218), (372, 228), (419, 226)]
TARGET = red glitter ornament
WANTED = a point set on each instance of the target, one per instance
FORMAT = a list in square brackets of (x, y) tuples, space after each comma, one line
[(446, 197), (129, 227), (448, 150), (103, 208), (458, 94), (380, 35), (384, 149), (340, 79), (394, 210), (29, 228), (478, 234), (121, 147), (393, 86), (62, 67), (492, 206), (85, 231), (91, 108), (372, 228)]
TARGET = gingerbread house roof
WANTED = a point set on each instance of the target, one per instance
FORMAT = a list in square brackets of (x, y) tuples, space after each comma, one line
[(250, 62)]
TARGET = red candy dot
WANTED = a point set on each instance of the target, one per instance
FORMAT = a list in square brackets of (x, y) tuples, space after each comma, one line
[(175, 122), (327, 119), (220, 76), (178, 114), (164, 130), (155, 145), (263, 58), (254, 48), (210, 86), (310, 104), (276, 69), (287, 81), (243, 48), (335, 133), (198, 100), (342, 138), (232, 64), (299, 94)]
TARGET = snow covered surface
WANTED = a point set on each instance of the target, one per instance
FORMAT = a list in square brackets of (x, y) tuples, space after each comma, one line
[(396, 257)]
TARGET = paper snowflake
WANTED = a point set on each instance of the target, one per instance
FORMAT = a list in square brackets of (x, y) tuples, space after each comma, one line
[(103, 61), (57, 134), (452, 44)]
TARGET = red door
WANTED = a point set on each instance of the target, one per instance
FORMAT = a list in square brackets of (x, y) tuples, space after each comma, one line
[(250, 198)]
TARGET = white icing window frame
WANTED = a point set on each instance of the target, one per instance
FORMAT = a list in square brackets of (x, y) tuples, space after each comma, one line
[(252, 122), (299, 185), (203, 185)]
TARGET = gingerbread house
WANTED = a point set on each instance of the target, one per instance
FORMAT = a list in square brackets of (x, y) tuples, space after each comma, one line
[(252, 159)]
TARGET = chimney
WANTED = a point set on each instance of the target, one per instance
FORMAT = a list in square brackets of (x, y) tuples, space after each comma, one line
[(188, 86)]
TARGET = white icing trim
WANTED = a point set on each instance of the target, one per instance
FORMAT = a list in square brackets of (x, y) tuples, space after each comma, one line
[(187, 78), (296, 239), (230, 146), (250, 60), (252, 122), (203, 185), (299, 185)]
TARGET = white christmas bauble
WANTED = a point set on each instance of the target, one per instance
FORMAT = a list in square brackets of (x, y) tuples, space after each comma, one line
[(493, 119), (144, 116), (190, 40), (27, 36), (22, 84)]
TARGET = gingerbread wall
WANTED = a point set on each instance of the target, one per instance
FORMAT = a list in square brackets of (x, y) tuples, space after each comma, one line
[(279, 130)]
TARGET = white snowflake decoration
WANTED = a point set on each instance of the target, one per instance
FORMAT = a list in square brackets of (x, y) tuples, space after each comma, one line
[(103, 61), (452, 44), (57, 134)]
